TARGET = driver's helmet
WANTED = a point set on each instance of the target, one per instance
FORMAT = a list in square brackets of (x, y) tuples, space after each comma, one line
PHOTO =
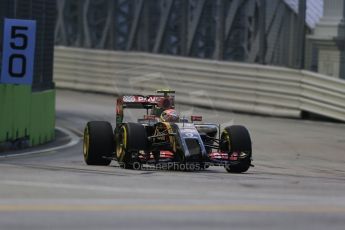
[(169, 115)]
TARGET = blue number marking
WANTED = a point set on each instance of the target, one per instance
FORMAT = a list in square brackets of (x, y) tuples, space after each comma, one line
[(18, 51)]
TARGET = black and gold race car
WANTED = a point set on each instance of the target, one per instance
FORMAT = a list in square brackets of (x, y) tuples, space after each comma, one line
[(162, 138)]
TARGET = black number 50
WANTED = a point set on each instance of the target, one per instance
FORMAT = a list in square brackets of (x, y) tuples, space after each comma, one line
[(19, 41)]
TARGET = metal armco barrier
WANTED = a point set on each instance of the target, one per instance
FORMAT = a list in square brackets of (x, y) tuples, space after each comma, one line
[(229, 86)]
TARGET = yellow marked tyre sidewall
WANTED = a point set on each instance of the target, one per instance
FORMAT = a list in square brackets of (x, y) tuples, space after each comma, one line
[(86, 142), (122, 143)]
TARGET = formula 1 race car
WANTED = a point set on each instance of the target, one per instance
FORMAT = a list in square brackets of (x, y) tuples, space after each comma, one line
[(162, 138)]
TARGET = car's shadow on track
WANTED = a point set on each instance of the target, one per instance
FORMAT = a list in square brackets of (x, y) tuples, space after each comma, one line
[(151, 170)]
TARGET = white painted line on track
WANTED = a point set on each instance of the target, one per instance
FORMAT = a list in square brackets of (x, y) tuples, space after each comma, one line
[(74, 140), (196, 208), (162, 192)]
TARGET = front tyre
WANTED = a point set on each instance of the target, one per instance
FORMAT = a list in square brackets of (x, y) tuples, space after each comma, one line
[(130, 139), (98, 144), (236, 138)]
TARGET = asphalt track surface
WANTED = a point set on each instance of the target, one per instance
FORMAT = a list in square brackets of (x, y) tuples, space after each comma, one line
[(297, 182)]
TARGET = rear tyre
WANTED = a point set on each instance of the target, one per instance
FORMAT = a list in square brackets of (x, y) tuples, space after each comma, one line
[(98, 143), (236, 138), (131, 138)]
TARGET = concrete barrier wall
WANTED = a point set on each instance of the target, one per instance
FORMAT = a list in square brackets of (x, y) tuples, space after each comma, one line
[(25, 115), (221, 85)]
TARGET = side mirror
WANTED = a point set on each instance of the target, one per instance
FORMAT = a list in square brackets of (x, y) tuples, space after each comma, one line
[(150, 117), (195, 118)]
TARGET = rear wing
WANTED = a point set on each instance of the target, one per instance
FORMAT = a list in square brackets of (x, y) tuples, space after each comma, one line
[(142, 102)]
